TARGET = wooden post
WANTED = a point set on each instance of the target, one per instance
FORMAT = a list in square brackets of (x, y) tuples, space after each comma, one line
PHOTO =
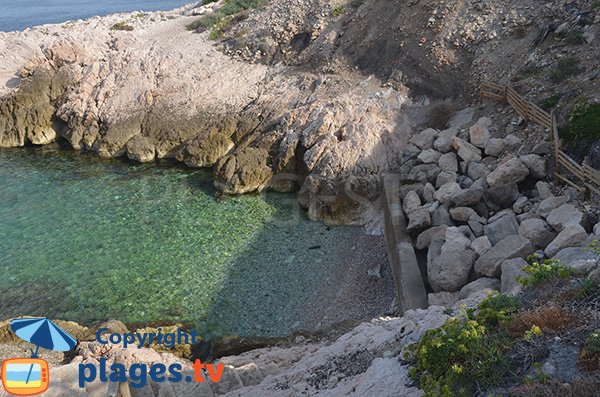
[(555, 139)]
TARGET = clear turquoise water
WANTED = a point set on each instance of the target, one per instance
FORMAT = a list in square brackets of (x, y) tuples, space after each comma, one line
[(21, 14), (87, 240)]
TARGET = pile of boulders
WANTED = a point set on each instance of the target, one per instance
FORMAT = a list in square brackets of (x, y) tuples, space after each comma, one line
[(480, 209)]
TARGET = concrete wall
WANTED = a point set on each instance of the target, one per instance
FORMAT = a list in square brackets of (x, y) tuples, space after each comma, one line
[(410, 287)]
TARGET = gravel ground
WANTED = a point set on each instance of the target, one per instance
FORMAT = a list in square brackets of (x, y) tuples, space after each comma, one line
[(354, 295)]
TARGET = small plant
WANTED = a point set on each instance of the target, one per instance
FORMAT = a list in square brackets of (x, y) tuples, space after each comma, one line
[(497, 308), (539, 273), (219, 20), (565, 68), (583, 124), (550, 102), (206, 22), (573, 37), (122, 26), (139, 15), (547, 319), (533, 332), (587, 288), (337, 11), (592, 343), (458, 358)]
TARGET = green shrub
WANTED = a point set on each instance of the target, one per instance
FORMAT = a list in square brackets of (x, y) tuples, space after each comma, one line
[(565, 68), (206, 21), (497, 308), (217, 21), (337, 11), (458, 359), (539, 273), (592, 343), (584, 123), (550, 102), (573, 37), (587, 288), (122, 26)]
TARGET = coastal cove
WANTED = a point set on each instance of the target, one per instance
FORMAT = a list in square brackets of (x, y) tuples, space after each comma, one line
[(88, 239)]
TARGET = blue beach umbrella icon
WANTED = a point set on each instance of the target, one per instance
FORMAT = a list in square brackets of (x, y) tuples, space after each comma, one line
[(42, 333)]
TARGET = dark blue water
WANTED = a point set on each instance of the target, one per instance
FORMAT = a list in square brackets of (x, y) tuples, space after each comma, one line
[(21, 14)]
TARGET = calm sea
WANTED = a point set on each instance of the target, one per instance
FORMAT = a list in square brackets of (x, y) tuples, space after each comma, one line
[(21, 14)]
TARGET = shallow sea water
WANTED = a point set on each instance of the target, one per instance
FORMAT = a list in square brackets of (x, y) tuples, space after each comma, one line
[(87, 239), (21, 14)]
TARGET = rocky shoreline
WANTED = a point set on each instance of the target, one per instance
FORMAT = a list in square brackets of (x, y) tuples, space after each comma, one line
[(160, 91)]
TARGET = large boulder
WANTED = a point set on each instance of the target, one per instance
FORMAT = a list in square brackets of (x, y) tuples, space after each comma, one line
[(550, 204), (243, 172), (565, 216), (498, 230), (475, 194), (448, 162), (446, 192), (484, 283), (450, 272), (504, 195), (435, 233), (424, 139), (444, 298), (207, 148), (571, 254), (512, 171), (411, 202), (479, 134), (489, 264), (536, 165), (570, 237), (429, 156), (418, 220), (512, 269), (537, 231), (465, 150)]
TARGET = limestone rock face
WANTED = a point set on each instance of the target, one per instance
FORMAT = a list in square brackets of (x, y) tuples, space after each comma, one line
[(333, 136), (246, 171)]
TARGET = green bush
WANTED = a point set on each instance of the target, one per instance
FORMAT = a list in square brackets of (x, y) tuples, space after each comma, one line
[(459, 358), (217, 21), (122, 26), (550, 102), (539, 273), (206, 21), (573, 37), (584, 123), (337, 11), (592, 343), (497, 308), (565, 68)]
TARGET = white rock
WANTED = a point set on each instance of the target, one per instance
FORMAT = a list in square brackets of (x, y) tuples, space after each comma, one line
[(480, 134), (465, 150), (571, 236), (481, 245), (565, 216), (429, 156), (512, 171)]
